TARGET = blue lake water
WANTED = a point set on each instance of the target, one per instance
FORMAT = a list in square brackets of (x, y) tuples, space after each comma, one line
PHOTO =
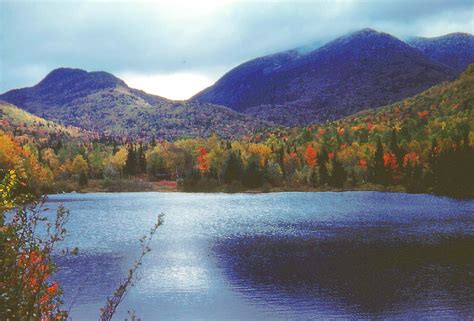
[(276, 256)]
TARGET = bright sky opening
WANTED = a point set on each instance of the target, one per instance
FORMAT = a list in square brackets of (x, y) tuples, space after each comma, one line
[(176, 86)]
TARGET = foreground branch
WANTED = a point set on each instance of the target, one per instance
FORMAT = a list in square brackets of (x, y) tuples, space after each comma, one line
[(107, 312)]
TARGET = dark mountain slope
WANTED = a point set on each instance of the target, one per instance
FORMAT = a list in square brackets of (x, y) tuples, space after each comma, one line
[(362, 70), (100, 101), (238, 88), (59, 87), (455, 50)]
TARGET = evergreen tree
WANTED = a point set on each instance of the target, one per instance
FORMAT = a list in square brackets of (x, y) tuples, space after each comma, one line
[(83, 179), (306, 136), (280, 156), (323, 170), (379, 174), (413, 180), (313, 178), (338, 175), (58, 145), (153, 141), (141, 159), (131, 163), (395, 148), (253, 175), (232, 168)]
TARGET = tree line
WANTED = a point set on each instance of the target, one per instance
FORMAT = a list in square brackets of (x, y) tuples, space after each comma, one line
[(422, 144)]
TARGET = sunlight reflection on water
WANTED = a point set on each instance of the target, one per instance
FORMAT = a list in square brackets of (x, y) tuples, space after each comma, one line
[(273, 256)]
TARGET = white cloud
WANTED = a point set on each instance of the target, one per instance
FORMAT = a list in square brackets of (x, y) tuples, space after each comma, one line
[(177, 86)]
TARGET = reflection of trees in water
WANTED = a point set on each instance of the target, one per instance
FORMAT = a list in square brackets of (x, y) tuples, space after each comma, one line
[(83, 278), (356, 272)]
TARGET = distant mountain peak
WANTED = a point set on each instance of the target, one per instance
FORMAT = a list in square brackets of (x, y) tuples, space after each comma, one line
[(366, 31), (459, 34), (359, 70), (68, 75), (62, 86), (455, 50), (448, 36), (99, 101), (366, 37), (64, 72)]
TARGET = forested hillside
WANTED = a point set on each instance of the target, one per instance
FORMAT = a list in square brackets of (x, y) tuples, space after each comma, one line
[(18, 121), (101, 102), (421, 144)]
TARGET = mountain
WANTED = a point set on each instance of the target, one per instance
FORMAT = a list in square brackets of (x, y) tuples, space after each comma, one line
[(365, 69), (426, 145), (442, 108), (21, 123), (455, 50), (101, 102)]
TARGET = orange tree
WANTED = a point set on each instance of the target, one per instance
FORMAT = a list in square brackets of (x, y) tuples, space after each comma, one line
[(27, 291)]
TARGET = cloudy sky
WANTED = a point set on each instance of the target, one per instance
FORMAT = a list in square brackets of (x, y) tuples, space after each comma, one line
[(176, 48)]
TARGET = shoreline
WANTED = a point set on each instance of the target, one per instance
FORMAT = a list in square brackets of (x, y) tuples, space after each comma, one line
[(127, 186), (94, 187)]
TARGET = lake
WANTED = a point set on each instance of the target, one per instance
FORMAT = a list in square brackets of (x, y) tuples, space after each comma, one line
[(274, 256)]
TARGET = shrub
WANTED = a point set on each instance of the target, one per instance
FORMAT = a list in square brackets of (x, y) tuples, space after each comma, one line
[(28, 293)]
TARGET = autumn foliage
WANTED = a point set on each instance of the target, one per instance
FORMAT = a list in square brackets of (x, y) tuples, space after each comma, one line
[(415, 136), (390, 161), (202, 161), (310, 156), (411, 159), (28, 293)]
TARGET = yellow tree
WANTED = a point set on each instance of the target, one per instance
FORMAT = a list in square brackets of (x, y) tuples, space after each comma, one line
[(81, 169), (10, 152), (49, 156), (261, 151), (216, 159), (119, 159)]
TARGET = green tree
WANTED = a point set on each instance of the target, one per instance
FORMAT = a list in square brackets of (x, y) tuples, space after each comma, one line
[(379, 175), (233, 167), (322, 168), (395, 148), (156, 163), (253, 176), (131, 165), (338, 175), (141, 159)]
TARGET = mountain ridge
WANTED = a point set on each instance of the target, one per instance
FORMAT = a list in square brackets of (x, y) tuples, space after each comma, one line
[(360, 70), (455, 50), (357, 71), (101, 102)]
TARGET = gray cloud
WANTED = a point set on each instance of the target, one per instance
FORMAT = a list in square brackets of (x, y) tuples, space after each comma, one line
[(167, 37)]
